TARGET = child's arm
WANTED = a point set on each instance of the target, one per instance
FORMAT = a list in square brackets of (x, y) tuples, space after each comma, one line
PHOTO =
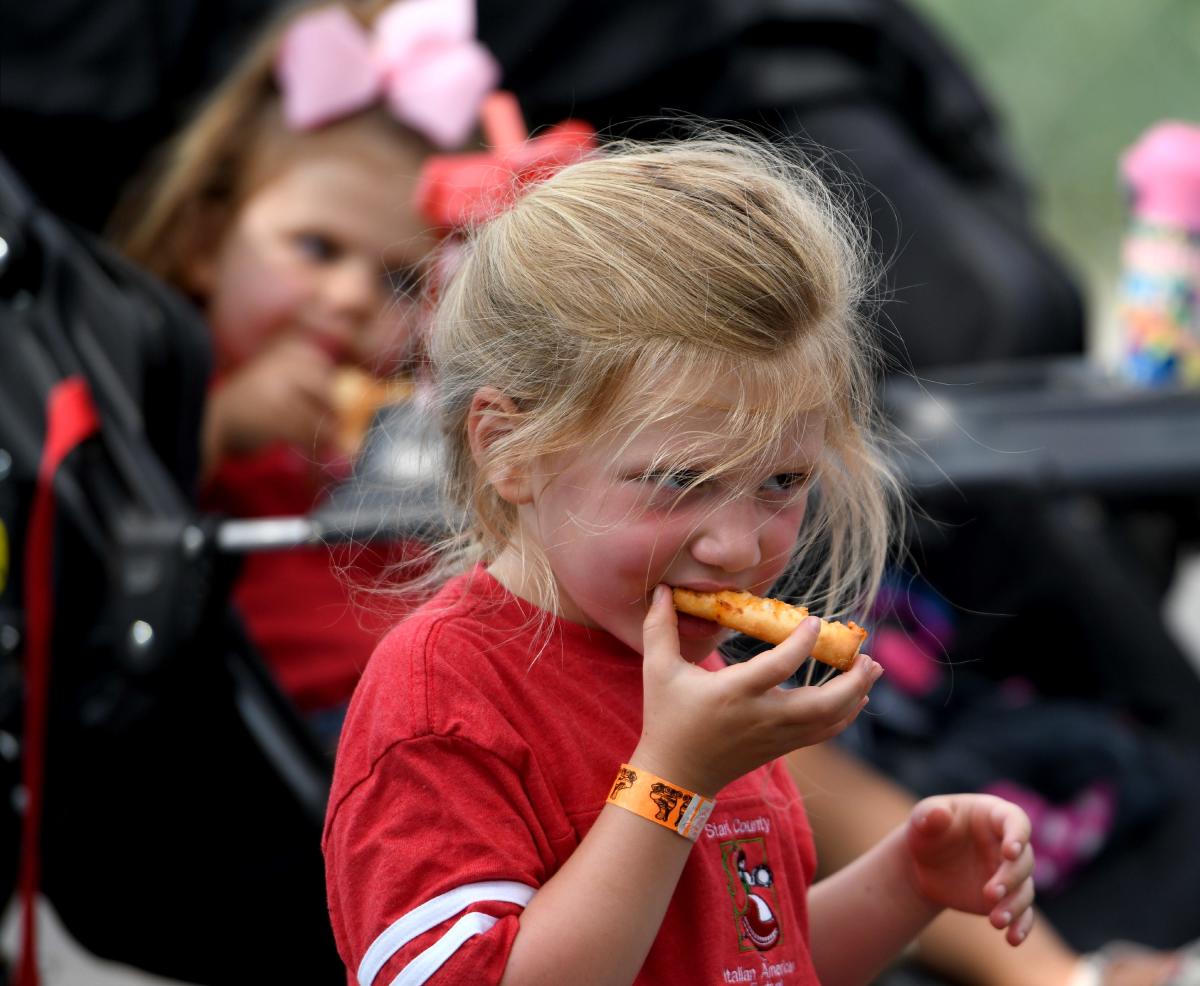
[(969, 852), (595, 920), (851, 806)]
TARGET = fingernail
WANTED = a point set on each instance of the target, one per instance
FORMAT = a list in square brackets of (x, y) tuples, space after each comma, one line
[(1006, 917), (1000, 891), (812, 624)]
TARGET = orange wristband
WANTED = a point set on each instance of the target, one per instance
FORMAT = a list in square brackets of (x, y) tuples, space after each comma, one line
[(661, 802)]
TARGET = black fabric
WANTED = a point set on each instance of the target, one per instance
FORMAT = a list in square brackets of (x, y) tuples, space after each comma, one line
[(1049, 588), (87, 88), (968, 278), (184, 798)]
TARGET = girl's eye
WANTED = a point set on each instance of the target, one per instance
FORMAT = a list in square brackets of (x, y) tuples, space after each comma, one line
[(317, 246), (786, 482), (403, 281), (675, 479)]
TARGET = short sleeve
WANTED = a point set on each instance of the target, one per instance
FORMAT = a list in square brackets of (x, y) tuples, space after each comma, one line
[(429, 861)]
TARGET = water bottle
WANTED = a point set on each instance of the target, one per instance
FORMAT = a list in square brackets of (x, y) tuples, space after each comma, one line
[(1159, 293)]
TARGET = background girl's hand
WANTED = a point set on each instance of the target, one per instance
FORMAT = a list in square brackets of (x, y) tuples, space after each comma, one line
[(703, 729), (971, 852), (283, 394)]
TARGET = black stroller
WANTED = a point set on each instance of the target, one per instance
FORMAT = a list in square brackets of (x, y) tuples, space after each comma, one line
[(180, 797)]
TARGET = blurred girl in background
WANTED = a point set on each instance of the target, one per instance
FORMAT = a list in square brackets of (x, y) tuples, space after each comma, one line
[(288, 211)]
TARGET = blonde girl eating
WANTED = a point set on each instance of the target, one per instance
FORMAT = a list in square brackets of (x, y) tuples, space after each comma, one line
[(650, 372)]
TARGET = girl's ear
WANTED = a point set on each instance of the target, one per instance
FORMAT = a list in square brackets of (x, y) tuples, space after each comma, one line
[(491, 418)]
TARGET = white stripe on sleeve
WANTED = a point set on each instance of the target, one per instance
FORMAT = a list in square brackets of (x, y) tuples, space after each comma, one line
[(429, 961), (432, 913)]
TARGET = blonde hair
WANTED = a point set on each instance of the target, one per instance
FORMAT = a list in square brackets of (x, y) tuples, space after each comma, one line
[(236, 142), (630, 275)]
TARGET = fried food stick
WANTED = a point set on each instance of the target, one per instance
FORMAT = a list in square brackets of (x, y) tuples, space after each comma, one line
[(772, 620), (357, 397)]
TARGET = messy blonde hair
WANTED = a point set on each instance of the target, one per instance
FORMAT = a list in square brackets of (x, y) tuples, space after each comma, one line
[(628, 277), (237, 141)]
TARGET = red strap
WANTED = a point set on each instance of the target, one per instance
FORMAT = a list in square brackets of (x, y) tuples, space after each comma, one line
[(70, 418)]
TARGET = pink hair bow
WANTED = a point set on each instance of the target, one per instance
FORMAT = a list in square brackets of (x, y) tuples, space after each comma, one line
[(422, 58)]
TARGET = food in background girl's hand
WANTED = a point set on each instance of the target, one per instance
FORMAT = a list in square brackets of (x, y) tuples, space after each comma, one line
[(773, 621), (357, 397)]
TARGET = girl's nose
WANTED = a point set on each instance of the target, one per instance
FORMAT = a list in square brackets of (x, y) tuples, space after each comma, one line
[(729, 538)]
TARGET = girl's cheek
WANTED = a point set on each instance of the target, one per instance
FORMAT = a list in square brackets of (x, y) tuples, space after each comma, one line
[(780, 535), (240, 340), (665, 540), (391, 336), (247, 319)]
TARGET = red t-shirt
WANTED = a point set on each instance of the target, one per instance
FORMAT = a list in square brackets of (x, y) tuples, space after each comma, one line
[(477, 752), (312, 611)]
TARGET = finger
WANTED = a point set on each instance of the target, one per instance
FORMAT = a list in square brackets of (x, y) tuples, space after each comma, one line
[(1012, 827), (1019, 930), (774, 666), (314, 379), (1014, 906), (931, 817), (864, 665), (329, 435), (843, 724), (843, 697), (1011, 874), (660, 628), (306, 422), (834, 705)]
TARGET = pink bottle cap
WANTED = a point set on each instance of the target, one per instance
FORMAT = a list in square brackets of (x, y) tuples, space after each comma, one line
[(1163, 169)]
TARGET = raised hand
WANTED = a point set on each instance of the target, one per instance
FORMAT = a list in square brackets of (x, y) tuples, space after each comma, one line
[(283, 394), (703, 729), (971, 852)]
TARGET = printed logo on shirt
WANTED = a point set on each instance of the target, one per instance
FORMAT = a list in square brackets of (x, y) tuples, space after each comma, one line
[(751, 888)]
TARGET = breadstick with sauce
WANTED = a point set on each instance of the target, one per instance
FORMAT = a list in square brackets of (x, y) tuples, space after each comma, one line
[(772, 620), (357, 398)]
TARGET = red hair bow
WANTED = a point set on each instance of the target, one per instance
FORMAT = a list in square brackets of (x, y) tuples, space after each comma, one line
[(457, 191)]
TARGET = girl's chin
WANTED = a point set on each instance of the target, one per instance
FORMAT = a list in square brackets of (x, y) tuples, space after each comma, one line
[(694, 628), (699, 638)]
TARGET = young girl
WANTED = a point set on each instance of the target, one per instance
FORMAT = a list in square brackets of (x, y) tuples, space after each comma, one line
[(288, 211), (648, 372)]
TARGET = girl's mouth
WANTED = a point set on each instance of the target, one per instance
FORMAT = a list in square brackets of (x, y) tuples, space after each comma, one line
[(335, 348)]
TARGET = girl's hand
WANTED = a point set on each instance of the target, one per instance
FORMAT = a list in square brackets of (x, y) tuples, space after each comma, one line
[(282, 394), (703, 729), (971, 852)]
